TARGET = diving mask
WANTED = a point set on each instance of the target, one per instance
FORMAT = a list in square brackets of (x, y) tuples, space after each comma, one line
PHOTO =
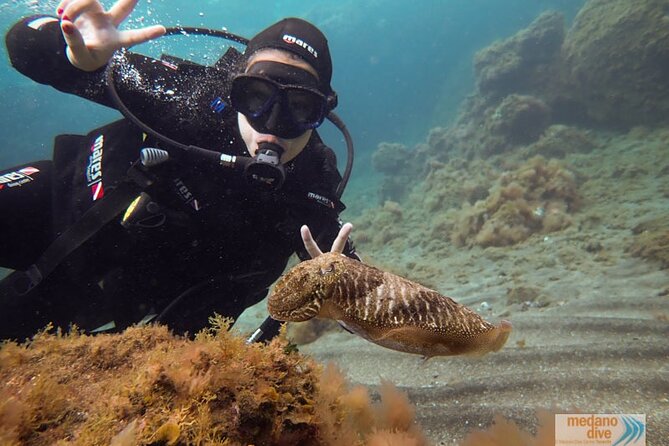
[(279, 99)]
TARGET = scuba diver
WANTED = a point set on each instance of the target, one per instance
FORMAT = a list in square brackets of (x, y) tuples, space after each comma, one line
[(190, 205)]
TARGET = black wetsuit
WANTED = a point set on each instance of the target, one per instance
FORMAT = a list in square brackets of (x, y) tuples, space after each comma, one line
[(200, 232)]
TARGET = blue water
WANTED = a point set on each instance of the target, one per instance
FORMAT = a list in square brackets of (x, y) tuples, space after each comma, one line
[(401, 67)]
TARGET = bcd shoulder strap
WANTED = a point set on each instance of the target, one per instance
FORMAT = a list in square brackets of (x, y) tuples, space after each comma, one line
[(20, 283)]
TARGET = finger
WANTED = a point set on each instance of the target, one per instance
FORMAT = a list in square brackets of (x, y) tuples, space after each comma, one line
[(77, 51), (309, 243), (340, 242), (133, 37), (61, 7), (121, 10), (78, 7)]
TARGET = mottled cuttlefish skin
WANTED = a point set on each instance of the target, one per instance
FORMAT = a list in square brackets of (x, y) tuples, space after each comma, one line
[(383, 308)]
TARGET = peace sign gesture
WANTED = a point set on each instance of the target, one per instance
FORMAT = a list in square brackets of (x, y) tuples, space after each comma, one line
[(92, 34), (337, 246)]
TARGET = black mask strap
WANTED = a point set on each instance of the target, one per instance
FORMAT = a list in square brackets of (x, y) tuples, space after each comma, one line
[(284, 74)]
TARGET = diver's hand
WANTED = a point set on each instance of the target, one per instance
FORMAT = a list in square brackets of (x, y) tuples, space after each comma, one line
[(337, 246), (92, 34)]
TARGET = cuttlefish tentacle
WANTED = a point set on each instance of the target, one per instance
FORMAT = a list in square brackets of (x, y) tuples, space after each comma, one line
[(383, 308)]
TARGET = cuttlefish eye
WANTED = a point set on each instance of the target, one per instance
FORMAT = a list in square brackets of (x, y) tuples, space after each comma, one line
[(329, 270)]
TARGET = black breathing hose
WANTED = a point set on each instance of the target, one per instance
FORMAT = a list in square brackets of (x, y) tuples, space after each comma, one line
[(186, 30), (333, 118)]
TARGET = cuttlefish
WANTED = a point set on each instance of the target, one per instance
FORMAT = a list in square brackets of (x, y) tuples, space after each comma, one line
[(381, 307)]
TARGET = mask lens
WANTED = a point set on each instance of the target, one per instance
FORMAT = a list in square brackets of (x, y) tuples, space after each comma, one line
[(306, 107), (252, 96)]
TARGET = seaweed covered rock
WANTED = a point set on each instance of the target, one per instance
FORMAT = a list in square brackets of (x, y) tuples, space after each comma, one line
[(538, 197), (522, 62), (400, 166), (617, 57), (651, 241), (520, 119), (561, 140), (146, 386), (517, 82), (389, 158), (450, 185), (381, 226)]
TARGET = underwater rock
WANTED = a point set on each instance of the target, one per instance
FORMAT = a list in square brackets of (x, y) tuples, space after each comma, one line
[(393, 188), (485, 129), (390, 159), (560, 140), (651, 241), (521, 119), (440, 144), (520, 63), (381, 226), (617, 58), (400, 167), (147, 386), (609, 70), (538, 197), (448, 186), (517, 79)]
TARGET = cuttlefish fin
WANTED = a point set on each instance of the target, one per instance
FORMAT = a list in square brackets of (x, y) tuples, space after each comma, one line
[(430, 343), (503, 331)]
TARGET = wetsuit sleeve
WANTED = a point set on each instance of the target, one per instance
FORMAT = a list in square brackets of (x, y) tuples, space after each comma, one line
[(36, 49), (174, 99)]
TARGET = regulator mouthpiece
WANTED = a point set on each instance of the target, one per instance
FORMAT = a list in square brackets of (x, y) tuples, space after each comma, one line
[(266, 170)]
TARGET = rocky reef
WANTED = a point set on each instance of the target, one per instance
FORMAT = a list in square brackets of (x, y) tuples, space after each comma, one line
[(536, 197), (476, 203), (522, 63), (559, 140), (607, 71), (651, 241), (518, 82), (616, 63), (400, 167), (556, 114)]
